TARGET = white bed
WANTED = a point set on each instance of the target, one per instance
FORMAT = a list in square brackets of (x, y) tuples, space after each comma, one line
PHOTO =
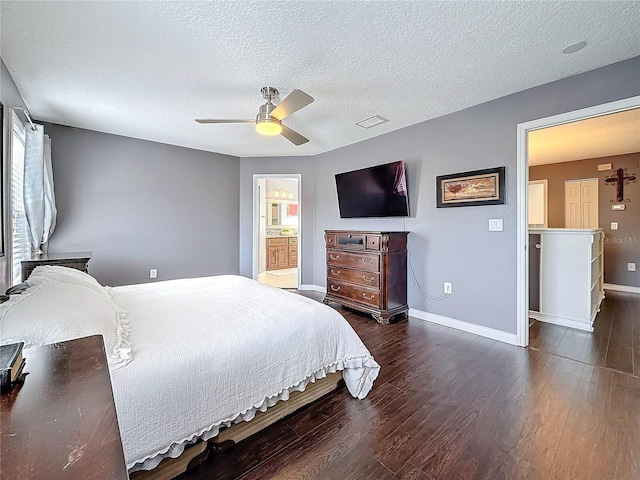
[(189, 357)]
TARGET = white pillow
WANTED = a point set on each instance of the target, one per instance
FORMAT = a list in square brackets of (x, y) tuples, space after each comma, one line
[(56, 273), (54, 312)]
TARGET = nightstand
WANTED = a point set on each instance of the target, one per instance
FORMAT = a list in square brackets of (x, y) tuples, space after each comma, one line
[(77, 260), (62, 423)]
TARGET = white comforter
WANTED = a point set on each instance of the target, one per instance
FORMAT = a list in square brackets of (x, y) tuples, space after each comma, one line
[(208, 352)]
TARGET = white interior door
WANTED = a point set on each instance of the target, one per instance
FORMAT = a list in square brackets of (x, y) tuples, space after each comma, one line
[(538, 204), (572, 204), (589, 203), (581, 203)]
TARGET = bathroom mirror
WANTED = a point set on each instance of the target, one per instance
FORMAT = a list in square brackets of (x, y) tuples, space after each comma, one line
[(282, 213)]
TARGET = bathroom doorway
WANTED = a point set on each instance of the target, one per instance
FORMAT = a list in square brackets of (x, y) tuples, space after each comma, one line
[(277, 230)]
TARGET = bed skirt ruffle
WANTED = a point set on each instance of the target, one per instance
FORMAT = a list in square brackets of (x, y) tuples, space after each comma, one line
[(358, 374)]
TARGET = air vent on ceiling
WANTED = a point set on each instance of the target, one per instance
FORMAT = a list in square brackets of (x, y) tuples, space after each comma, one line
[(371, 121)]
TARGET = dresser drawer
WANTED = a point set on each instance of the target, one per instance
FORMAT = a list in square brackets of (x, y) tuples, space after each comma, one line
[(276, 242), (373, 242), (361, 261), (354, 276), (330, 239), (293, 241), (359, 294)]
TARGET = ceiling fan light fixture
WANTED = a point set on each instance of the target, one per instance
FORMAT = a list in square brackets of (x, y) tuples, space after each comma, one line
[(269, 119), (268, 127), (265, 123)]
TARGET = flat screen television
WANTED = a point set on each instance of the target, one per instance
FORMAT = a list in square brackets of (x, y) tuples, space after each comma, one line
[(379, 191)]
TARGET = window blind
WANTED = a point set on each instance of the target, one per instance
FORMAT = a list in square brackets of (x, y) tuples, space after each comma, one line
[(20, 247)]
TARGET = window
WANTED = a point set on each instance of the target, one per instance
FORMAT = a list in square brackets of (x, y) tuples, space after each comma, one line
[(20, 247)]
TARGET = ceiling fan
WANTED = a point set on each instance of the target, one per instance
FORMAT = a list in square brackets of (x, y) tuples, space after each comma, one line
[(269, 119)]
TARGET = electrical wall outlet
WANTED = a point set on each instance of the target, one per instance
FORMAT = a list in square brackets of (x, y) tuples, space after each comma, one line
[(631, 267), (614, 225), (447, 288), (153, 273)]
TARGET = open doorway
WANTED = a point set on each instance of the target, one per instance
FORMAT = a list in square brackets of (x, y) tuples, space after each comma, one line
[(277, 230), (525, 248)]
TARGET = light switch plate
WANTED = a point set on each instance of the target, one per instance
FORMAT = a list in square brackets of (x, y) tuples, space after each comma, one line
[(631, 267), (614, 225), (495, 225)]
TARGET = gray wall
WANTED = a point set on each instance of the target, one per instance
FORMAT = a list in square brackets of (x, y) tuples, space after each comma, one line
[(139, 205), (10, 97), (622, 245), (447, 244)]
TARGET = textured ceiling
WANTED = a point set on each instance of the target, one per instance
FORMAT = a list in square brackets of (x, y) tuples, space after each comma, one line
[(604, 136), (147, 69)]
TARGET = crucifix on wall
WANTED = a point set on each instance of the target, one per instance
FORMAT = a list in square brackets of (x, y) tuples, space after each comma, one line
[(620, 180)]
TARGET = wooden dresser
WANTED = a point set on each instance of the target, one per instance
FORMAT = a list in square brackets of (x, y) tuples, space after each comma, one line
[(62, 423), (282, 252), (367, 271), (77, 260)]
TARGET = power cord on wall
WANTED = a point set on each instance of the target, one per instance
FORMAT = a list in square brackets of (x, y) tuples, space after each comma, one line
[(415, 280)]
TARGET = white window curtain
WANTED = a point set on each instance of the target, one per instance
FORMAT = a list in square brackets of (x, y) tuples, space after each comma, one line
[(20, 249), (39, 198)]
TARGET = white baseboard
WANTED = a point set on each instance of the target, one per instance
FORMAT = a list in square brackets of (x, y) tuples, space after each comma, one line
[(492, 333), (314, 288), (621, 288), (562, 321)]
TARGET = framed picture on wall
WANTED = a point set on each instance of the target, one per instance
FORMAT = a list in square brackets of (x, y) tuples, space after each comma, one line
[(478, 187)]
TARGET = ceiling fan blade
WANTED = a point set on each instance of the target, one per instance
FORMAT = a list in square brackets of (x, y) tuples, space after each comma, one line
[(211, 120), (293, 137), (294, 102)]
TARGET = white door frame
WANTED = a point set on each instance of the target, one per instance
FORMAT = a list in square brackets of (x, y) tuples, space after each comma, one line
[(256, 220), (522, 166)]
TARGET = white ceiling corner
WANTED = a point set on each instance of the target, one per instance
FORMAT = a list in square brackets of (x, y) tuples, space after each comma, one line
[(148, 69)]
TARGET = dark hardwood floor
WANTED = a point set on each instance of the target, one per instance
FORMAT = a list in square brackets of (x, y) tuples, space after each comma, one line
[(451, 405), (614, 343)]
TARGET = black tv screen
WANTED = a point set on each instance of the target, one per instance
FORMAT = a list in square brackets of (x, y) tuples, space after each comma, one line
[(379, 191)]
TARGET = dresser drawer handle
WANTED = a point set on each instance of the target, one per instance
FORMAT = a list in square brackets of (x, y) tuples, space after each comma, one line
[(365, 262), (335, 272), (367, 298), (335, 289), (368, 279), (334, 258)]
